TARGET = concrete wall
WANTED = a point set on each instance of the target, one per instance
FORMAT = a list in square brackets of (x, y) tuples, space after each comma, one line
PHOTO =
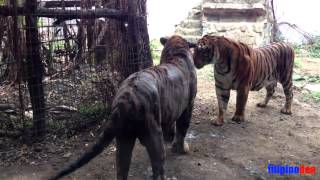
[(243, 20)]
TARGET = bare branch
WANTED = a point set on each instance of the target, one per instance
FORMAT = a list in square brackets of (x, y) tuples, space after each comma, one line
[(65, 14), (80, 14), (305, 34), (59, 3)]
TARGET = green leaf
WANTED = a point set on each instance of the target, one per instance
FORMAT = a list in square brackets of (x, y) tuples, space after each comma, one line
[(316, 95), (297, 77)]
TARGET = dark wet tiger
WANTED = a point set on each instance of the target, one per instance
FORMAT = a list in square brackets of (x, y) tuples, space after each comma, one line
[(152, 105)]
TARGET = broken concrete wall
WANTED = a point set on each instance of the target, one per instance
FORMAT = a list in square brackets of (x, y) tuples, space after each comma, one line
[(243, 20)]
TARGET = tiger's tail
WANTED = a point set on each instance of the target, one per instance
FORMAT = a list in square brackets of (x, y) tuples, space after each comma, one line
[(107, 136)]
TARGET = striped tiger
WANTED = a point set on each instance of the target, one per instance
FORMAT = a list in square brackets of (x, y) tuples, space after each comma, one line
[(242, 68)]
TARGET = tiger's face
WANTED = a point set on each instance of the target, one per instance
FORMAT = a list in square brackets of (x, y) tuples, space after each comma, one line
[(206, 52)]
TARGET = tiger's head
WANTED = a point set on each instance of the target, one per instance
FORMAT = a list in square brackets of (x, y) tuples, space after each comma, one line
[(175, 45), (206, 51)]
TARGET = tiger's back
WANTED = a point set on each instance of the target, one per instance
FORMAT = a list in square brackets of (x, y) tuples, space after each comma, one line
[(272, 63)]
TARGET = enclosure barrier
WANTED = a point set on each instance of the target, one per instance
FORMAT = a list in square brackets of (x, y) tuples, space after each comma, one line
[(62, 61)]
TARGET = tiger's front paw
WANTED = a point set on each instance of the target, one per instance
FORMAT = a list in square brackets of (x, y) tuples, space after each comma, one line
[(218, 122), (261, 105), (180, 148), (286, 111), (238, 118)]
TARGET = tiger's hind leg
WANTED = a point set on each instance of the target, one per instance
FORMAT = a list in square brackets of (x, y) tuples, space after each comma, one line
[(287, 89), (152, 138), (154, 143), (182, 125), (270, 91), (123, 156)]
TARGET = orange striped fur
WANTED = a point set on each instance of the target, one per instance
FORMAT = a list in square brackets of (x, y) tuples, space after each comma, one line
[(242, 68)]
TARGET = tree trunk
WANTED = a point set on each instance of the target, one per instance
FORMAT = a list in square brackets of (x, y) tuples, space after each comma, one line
[(275, 27), (35, 71), (138, 37), (12, 52), (90, 32), (127, 42), (122, 47)]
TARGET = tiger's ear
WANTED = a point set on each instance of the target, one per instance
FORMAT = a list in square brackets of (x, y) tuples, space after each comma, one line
[(191, 45), (163, 40)]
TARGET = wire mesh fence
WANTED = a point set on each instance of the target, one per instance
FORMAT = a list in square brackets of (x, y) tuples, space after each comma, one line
[(62, 61)]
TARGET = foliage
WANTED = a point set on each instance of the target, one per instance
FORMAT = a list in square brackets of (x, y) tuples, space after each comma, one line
[(297, 77), (309, 50), (2, 2), (58, 45), (314, 50), (155, 47), (55, 45), (298, 63), (40, 22), (298, 49), (307, 78), (93, 111), (316, 96), (313, 78)]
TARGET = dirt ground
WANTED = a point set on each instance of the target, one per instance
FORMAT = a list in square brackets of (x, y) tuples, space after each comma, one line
[(233, 151), (310, 66)]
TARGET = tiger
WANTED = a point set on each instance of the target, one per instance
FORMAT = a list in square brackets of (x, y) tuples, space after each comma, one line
[(239, 67), (153, 105)]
